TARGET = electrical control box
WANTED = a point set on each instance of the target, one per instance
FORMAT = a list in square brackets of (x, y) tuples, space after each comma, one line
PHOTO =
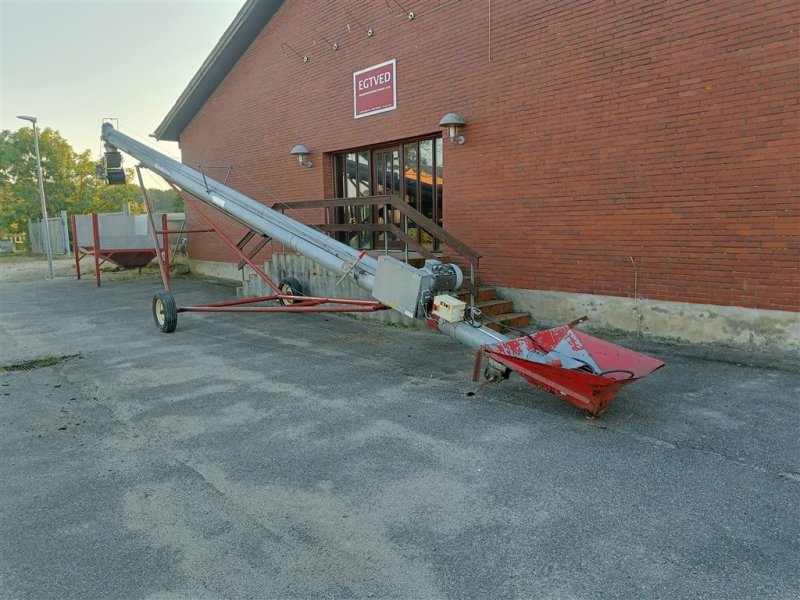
[(448, 308), (400, 286)]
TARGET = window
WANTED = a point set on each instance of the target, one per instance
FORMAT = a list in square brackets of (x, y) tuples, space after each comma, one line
[(377, 171), (353, 180)]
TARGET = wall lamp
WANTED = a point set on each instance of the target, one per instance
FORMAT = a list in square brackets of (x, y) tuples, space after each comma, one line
[(302, 153), (453, 122)]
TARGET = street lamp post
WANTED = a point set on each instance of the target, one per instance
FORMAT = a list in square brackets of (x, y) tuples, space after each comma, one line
[(48, 248)]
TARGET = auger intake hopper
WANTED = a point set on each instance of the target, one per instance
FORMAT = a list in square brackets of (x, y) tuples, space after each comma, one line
[(582, 369)]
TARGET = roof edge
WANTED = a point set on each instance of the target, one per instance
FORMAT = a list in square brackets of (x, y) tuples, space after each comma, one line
[(238, 37)]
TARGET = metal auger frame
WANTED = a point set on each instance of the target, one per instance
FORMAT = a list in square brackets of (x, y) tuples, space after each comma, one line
[(584, 370), (291, 299)]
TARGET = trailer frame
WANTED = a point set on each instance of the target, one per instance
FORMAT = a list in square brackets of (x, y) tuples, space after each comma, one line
[(290, 301)]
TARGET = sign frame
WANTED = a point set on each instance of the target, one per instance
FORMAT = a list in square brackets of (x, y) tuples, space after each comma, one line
[(369, 113)]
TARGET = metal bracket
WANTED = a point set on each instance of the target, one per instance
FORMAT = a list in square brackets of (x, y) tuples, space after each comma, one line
[(493, 373), (351, 267)]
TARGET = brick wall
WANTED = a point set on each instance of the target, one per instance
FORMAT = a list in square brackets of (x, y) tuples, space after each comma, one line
[(603, 137)]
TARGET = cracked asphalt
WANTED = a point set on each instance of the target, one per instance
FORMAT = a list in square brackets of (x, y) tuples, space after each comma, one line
[(313, 456)]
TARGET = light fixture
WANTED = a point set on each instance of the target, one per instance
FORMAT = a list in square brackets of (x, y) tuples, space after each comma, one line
[(301, 152), (453, 122), (45, 221)]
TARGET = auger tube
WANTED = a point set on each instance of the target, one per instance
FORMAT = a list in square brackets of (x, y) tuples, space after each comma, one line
[(304, 240)]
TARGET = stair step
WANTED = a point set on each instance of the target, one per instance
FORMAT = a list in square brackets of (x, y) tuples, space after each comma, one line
[(484, 294), (496, 307), (513, 319)]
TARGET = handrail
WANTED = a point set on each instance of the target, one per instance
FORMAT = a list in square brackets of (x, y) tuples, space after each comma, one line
[(405, 209), (436, 230), (470, 256), (333, 202)]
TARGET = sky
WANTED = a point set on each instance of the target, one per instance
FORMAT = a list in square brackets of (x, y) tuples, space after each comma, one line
[(73, 63)]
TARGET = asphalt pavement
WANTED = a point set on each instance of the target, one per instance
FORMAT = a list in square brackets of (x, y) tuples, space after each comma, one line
[(321, 456)]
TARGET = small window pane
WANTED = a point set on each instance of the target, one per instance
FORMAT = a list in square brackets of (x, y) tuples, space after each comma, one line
[(426, 167), (351, 175), (363, 173), (411, 183)]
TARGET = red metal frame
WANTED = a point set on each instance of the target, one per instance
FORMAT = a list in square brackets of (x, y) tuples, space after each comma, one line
[(75, 247), (592, 392), (103, 255), (294, 304)]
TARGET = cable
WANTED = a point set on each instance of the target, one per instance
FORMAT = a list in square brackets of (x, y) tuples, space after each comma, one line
[(477, 312), (470, 320), (306, 55), (631, 373)]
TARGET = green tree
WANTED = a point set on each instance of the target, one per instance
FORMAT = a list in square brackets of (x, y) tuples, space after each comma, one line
[(67, 177), (165, 201), (111, 198), (70, 182), (18, 183)]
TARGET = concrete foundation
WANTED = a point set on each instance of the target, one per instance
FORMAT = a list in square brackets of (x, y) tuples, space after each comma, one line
[(217, 269), (317, 281), (679, 321)]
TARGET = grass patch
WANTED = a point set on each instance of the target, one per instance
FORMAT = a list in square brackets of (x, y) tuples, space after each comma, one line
[(19, 257)]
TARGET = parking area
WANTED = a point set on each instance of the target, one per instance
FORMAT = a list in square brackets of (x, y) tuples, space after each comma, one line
[(284, 456)]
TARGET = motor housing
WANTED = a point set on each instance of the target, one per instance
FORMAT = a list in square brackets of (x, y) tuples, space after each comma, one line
[(410, 290)]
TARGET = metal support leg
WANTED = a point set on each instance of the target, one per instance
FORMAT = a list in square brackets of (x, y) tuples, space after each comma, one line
[(96, 245), (473, 292), (230, 243), (153, 232), (165, 245), (75, 247)]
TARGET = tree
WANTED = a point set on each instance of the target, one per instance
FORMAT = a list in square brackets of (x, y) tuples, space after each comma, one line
[(111, 198), (18, 183), (69, 178), (165, 201)]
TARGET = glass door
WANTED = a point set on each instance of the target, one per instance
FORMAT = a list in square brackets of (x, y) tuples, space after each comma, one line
[(352, 180), (423, 174), (387, 181), (412, 171)]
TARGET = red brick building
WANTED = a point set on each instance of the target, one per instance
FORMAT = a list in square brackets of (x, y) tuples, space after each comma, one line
[(635, 160)]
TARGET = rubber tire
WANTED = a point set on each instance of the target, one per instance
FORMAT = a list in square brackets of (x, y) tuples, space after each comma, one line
[(289, 286), (165, 312)]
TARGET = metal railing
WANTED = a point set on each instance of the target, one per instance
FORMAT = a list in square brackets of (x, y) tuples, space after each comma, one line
[(466, 257), (59, 235)]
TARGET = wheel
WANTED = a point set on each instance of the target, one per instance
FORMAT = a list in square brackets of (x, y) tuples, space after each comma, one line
[(289, 286), (165, 313)]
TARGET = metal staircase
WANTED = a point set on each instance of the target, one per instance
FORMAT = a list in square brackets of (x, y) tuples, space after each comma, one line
[(497, 309)]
